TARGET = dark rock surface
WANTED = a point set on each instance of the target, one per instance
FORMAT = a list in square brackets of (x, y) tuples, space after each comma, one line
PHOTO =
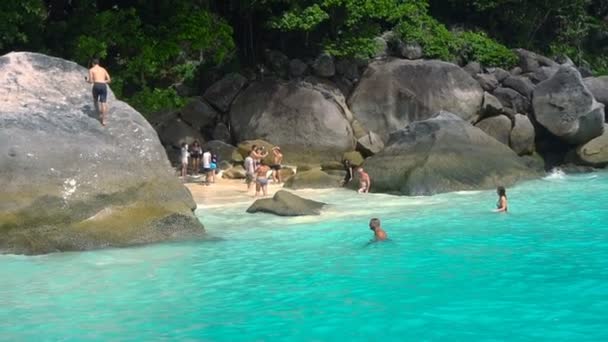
[(223, 92), (566, 107), (595, 152), (598, 86), (442, 154), (309, 122), (67, 183), (498, 127), (395, 92), (522, 135)]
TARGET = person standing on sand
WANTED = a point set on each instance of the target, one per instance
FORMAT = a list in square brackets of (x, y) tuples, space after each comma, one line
[(209, 173), (261, 181), (249, 171), (99, 77), (196, 152), (501, 205), (364, 181), (379, 233), (184, 158), (276, 166)]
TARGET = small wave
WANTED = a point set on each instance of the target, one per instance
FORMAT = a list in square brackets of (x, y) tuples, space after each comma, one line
[(556, 174)]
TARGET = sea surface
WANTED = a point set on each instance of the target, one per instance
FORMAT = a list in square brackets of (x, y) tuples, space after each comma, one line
[(453, 270)]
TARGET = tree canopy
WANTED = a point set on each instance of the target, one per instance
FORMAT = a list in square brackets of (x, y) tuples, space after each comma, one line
[(152, 45)]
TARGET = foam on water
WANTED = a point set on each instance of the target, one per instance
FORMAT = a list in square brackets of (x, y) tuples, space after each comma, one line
[(454, 270)]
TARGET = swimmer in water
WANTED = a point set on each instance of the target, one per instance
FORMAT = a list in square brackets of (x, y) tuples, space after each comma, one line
[(501, 205), (379, 233)]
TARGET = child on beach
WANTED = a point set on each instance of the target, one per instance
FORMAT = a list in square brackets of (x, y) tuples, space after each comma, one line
[(184, 157)]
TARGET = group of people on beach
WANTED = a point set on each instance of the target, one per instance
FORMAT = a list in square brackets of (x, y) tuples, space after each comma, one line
[(195, 158), (258, 171)]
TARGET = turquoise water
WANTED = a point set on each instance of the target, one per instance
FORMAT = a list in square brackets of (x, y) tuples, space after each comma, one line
[(453, 271)]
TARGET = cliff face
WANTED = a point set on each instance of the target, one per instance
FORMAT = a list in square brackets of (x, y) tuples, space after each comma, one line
[(68, 183)]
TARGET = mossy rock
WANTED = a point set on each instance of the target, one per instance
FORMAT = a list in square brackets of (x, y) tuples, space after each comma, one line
[(306, 167), (332, 165), (354, 157), (313, 179), (358, 130), (236, 172)]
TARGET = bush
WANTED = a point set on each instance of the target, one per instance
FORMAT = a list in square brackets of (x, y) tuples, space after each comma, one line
[(149, 100), (436, 40), (477, 46)]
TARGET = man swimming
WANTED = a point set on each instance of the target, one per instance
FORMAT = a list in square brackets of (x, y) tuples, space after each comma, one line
[(379, 233), (100, 78)]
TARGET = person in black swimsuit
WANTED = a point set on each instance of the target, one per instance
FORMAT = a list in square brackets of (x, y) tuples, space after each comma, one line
[(99, 77), (349, 172)]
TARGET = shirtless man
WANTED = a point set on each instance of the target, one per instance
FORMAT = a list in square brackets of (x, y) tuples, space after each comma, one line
[(379, 233), (261, 181), (99, 77), (364, 181), (276, 166)]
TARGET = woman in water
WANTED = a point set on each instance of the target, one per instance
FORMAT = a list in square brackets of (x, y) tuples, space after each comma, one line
[(501, 205)]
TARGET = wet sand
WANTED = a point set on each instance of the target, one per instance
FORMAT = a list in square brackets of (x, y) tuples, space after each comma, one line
[(226, 191)]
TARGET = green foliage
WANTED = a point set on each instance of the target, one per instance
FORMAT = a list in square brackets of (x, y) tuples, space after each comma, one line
[(436, 40), (477, 46), (20, 22), (300, 20), (149, 100)]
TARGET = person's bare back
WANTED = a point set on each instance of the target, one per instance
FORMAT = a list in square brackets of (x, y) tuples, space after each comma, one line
[(99, 77)]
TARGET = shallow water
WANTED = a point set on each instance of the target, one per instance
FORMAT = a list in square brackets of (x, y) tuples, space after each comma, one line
[(453, 270)]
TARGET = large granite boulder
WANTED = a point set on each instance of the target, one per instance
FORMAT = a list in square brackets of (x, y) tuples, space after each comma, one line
[(221, 149), (308, 121), (177, 132), (285, 203), (312, 179), (324, 66), (498, 127), (199, 114), (530, 61), (566, 107), (393, 93), (595, 152), (598, 86), (512, 99), (520, 84), (442, 154), (223, 92), (522, 135), (487, 81), (68, 183), (370, 144)]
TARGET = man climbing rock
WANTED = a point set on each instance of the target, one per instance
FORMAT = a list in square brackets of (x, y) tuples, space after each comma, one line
[(99, 77)]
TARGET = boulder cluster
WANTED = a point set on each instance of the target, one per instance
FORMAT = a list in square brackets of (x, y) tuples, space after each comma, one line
[(538, 115)]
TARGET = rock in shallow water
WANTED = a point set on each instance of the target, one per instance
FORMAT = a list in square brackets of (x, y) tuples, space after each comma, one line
[(442, 154), (66, 182), (284, 203)]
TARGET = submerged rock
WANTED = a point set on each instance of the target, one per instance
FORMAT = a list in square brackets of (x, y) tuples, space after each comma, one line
[(393, 93), (284, 203), (66, 182), (442, 154)]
